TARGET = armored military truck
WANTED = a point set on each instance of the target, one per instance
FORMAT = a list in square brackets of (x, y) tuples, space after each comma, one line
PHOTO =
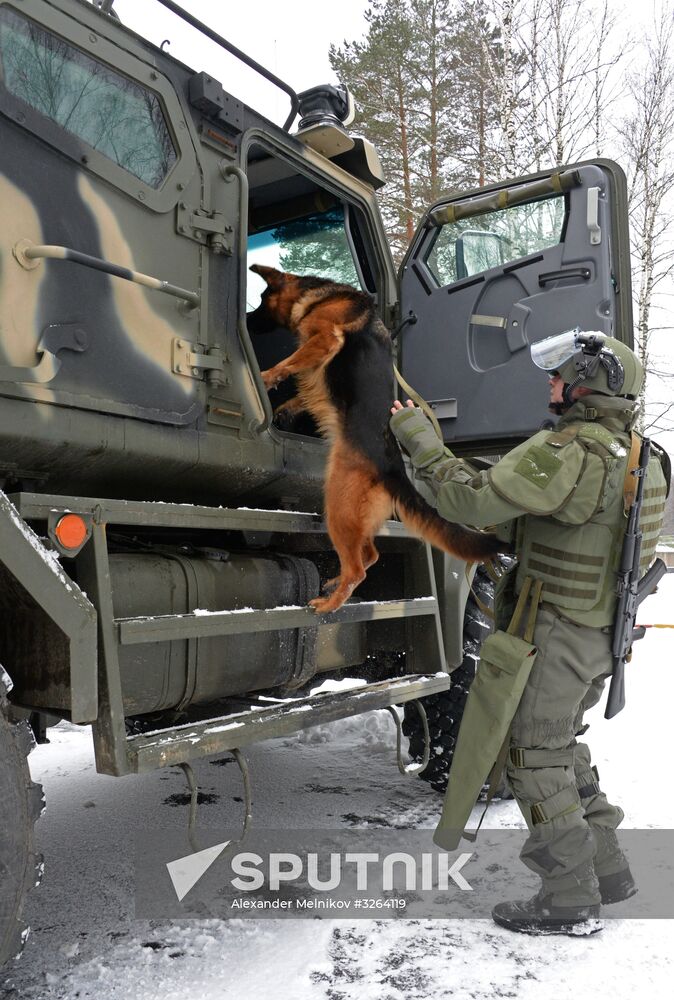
[(160, 528)]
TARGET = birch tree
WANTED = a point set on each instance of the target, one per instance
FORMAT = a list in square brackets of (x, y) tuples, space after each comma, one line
[(649, 144), (556, 80)]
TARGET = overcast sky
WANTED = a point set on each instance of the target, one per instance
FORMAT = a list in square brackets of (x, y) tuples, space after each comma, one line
[(291, 39)]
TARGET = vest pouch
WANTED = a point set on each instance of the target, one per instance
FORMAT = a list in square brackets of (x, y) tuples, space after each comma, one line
[(505, 598), (502, 673)]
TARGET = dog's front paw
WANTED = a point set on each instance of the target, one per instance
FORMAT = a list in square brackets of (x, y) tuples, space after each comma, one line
[(271, 378)]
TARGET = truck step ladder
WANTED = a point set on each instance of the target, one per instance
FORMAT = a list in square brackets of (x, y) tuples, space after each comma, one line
[(116, 752)]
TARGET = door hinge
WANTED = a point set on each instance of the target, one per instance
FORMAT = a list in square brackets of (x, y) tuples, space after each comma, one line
[(211, 229), (199, 361)]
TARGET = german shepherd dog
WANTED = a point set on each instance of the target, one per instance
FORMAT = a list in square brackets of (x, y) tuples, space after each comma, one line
[(344, 369)]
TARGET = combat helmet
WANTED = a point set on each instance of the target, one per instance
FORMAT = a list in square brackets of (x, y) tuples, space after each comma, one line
[(590, 359)]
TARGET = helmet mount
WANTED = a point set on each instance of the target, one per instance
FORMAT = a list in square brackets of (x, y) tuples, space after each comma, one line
[(592, 355), (592, 360)]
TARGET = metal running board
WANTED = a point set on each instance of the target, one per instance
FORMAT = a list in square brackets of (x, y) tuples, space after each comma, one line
[(115, 753), (214, 623), (216, 736), (147, 513)]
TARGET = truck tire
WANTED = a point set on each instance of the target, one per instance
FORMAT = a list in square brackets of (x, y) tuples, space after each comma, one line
[(445, 710), (21, 803)]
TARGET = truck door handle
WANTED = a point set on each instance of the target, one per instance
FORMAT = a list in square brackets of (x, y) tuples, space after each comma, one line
[(593, 226), (444, 409), (568, 272), (29, 255)]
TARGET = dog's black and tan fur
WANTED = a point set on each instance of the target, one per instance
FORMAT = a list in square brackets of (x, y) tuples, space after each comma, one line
[(343, 366)]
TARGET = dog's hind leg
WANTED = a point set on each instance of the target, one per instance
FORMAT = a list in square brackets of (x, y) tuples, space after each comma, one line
[(370, 553), (369, 556), (346, 536), (356, 506)]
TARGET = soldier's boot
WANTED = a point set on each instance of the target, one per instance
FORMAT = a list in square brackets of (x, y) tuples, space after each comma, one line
[(616, 882), (539, 916), (560, 847)]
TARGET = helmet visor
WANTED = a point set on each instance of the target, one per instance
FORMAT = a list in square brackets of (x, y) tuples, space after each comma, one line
[(550, 354)]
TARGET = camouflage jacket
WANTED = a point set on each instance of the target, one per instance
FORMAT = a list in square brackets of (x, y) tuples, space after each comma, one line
[(558, 497)]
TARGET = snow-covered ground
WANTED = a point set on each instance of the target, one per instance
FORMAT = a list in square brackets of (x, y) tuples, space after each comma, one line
[(86, 943)]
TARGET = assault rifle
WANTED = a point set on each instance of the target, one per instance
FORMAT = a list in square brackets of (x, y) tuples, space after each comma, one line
[(631, 591)]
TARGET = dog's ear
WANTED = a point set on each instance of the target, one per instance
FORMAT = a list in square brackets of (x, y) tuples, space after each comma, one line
[(273, 277)]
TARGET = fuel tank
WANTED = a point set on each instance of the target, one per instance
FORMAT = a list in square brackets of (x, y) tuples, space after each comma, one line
[(174, 674)]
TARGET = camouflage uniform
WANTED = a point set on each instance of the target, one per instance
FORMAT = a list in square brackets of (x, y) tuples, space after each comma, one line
[(559, 498)]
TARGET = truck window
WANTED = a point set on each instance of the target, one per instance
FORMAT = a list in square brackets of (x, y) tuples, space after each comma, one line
[(111, 113), (476, 244), (314, 244)]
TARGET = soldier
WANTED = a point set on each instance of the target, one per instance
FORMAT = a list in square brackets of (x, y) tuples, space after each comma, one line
[(560, 498)]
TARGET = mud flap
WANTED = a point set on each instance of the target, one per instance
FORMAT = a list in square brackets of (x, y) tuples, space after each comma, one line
[(503, 671)]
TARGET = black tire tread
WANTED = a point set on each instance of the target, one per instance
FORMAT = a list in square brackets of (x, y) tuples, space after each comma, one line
[(23, 803)]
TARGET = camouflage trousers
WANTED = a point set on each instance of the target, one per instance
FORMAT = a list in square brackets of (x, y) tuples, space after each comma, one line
[(571, 824)]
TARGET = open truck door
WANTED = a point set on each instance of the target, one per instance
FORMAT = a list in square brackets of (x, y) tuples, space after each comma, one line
[(491, 271)]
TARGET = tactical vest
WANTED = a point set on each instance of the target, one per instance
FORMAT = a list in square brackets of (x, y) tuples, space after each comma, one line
[(570, 481), (656, 491)]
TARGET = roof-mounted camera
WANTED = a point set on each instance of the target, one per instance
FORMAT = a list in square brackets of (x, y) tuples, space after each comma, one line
[(325, 114), (326, 103)]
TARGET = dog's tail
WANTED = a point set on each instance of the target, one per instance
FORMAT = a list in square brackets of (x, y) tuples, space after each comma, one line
[(422, 520)]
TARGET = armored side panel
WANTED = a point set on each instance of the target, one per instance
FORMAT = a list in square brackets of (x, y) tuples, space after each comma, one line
[(131, 189)]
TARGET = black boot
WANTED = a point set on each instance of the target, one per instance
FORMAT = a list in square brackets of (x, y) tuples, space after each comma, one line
[(614, 888), (539, 916)]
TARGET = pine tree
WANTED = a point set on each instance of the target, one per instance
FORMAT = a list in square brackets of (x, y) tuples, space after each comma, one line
[(378, 74), (418, 98)]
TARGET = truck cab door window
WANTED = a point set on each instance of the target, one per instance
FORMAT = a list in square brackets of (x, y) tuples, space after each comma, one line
[(473, 245), (316, 244), (313, 244), (300, 225)]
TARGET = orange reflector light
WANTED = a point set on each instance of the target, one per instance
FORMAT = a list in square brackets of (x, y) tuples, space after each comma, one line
[(71, 531)]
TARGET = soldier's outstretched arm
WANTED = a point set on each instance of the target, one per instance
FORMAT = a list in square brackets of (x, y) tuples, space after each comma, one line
[(462, 494)]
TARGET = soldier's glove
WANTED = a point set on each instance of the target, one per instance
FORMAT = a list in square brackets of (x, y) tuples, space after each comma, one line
[(416, 435), (432, 461)]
